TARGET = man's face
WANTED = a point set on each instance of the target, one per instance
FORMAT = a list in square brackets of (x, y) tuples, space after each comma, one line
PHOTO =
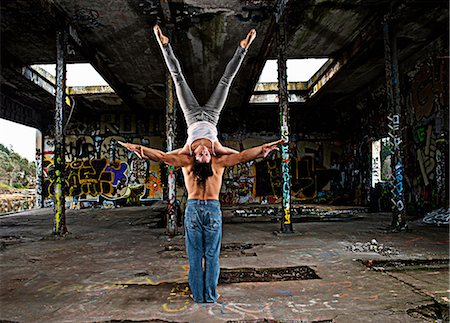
[(202, 154)]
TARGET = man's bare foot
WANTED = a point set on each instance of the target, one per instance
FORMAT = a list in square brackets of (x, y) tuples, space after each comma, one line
[(245, 43), (163, 40)]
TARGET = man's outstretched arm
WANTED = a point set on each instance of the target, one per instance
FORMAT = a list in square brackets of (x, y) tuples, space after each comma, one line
[(219, 149), (157, 155), (249, 154)]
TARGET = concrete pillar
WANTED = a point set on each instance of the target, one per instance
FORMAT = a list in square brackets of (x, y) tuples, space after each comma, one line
[(286, 224), (170, 138), (59, 205), (39, 169), (395, 125)]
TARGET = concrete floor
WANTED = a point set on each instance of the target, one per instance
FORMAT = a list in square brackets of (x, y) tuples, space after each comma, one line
[(114, 268)]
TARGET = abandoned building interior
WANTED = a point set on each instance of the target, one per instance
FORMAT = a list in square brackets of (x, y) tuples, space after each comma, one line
[(347, 222)]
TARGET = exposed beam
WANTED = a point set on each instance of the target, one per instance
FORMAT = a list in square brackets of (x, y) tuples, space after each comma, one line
[(273, 87), (264, 51), (14, 110), (90, 54), (92, 89), (38, 79), (346, 56), (43, 82)]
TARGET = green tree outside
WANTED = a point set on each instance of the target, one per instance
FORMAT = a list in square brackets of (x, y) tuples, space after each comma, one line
[(16, 171)]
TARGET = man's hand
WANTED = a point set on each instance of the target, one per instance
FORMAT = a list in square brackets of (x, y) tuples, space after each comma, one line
[(267, 148), (249, 154), (137, 149)]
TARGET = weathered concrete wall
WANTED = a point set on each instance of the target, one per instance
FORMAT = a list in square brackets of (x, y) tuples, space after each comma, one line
[(314, 174), (100, 171), (425, 124)]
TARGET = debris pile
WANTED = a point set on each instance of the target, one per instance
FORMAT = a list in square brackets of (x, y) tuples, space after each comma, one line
[(330, 212), (255, 212), (16, 202), (372, 246)]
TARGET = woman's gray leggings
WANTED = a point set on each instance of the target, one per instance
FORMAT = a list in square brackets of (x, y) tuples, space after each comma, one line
[(193, 112)]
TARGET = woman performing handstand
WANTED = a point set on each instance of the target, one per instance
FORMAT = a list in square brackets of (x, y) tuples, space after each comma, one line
[(202, 121), (202, 141)]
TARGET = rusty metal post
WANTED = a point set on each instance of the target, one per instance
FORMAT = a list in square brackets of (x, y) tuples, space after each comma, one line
[(60, 164), (286, 224), (395, 128), (170, 138)]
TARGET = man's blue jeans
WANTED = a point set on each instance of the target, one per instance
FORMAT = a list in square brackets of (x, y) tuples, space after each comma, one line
[(203, 225)]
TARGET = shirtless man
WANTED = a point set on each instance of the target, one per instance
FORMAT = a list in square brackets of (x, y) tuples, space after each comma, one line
[(203, 217), (202, 121)]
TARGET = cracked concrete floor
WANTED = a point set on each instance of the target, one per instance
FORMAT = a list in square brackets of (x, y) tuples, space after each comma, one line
[(114, 267)]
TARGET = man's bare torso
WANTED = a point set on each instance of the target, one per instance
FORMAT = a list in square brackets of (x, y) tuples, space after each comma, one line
[(211, 188)]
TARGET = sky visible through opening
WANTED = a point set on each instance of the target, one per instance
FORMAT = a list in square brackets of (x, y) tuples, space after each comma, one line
[(79, 74), (20, 138), (298, 70)]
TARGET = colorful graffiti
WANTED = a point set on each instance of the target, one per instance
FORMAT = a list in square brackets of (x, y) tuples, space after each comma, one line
[(286, 178), (428, 106), (170, 143), (87, 180), (39, 195), (421, 128), (262, 181), (397, 177), (98, 169), (239, 185), (426, 155)]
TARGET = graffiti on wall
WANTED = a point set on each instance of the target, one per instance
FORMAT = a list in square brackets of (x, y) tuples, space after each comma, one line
[(398, 173), (97, 167), (108, 124), (424, 126), (308, 178), (428, 106), (426, 153), (239, 184), (39, 183), (254, 182), (87, 17)]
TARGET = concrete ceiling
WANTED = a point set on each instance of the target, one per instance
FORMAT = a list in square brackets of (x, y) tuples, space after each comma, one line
[(118, 40)]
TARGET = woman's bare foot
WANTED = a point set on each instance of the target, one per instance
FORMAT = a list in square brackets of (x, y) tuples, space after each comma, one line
[(245, 43), (163, 40)]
